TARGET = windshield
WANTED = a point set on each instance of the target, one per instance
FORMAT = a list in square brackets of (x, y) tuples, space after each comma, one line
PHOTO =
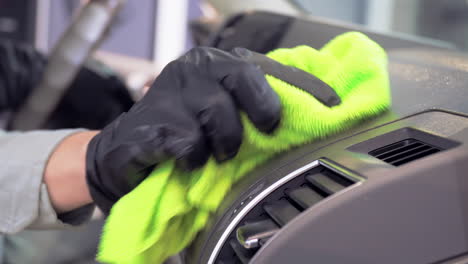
[(441, 20)]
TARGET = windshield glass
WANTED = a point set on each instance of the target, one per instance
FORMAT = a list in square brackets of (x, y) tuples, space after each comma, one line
[(441, 20)]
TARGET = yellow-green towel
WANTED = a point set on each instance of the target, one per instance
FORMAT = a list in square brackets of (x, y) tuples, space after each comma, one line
[(164, 213)]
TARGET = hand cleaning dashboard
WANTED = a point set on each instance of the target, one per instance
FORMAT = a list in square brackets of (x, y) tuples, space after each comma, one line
[(391, 190)]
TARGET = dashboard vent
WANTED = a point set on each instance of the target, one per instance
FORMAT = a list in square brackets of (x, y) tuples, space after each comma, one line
[(404, 151), (277, 209)]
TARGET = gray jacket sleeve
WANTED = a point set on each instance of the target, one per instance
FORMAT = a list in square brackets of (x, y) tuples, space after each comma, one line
[(24, 199)]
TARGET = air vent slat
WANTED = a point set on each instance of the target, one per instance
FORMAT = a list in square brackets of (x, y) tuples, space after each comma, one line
[(398, 150), (281, 212), (324, 183), (305, 197), (404, 151), (250, 235), (266, 218), (415, 157), (407, 153)]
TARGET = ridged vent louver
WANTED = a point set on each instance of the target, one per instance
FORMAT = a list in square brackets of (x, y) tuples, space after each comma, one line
[(276, 211), (404, 151)]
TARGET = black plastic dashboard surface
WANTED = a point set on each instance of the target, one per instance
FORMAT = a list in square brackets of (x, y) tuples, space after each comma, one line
[(429, 94), (453, 128)]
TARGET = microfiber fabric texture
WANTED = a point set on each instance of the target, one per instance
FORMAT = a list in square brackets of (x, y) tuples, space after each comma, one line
[(164, 213)]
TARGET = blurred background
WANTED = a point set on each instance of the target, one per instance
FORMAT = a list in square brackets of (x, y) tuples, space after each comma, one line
[(147, 34), (157, 31), (41, 22)]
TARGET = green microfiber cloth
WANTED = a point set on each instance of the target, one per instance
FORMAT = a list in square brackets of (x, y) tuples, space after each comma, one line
[(164, 213)]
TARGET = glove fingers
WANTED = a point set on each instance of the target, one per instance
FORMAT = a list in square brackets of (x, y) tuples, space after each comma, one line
[(189, 147), (186, 143), (178, 132), (218, 117), (255, 96), (243, 80)]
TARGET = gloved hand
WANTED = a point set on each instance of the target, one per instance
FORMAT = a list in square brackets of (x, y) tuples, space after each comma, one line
[(190, 112), (95, 97), (20, 69)]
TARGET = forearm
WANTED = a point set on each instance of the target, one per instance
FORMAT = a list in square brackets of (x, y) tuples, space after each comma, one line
[(65, 173), (24, 197)]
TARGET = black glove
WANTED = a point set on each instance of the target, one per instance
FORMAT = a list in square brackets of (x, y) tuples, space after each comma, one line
[(20, 70), (96, 96), (190, 112)]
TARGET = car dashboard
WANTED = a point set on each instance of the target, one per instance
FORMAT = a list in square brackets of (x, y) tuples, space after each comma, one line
[(392, 189)]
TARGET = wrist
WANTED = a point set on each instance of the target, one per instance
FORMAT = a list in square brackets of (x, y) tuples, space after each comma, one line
[(65, 173)]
